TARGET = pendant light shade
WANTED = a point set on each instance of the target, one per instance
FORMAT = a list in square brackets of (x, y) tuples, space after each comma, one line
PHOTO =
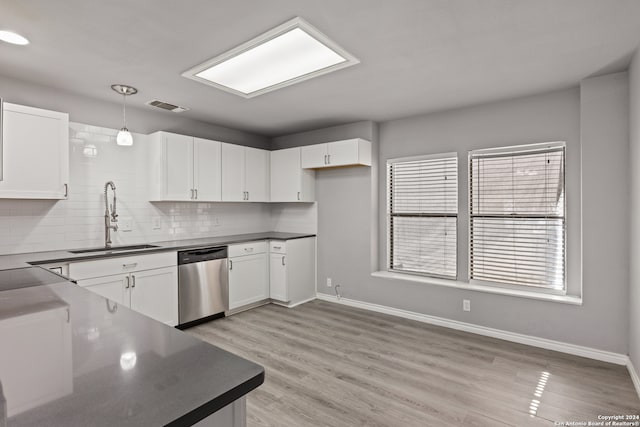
[(124, 136)]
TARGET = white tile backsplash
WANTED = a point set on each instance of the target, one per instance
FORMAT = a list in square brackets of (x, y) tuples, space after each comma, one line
[(95, 158), (294, 217)]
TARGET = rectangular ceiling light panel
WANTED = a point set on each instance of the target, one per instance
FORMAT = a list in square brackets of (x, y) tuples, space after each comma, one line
[(293, 52)]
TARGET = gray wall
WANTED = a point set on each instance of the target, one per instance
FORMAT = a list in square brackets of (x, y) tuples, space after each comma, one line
[(634, 158), (105, 114), (346, 196)]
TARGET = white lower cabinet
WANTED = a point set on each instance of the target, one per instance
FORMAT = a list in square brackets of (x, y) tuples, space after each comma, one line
[(110, 287), (292, 270), (40, 337), (278, 277), (248, 274), (152, 292)]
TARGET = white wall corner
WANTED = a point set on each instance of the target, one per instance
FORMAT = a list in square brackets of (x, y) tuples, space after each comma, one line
[(562, 347)]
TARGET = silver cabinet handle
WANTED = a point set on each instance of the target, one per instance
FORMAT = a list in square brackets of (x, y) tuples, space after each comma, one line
[(66, 190), (127, 284), (230, 264), (298, 195), (282, 260), (277, 247), (247, 195), (248, 249), (133, 284), (328, 159), (196, 190), (192, 194), (325, 159), (132, 265)]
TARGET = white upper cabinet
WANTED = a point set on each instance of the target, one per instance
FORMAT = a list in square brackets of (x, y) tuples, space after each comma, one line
[(314, 156), (185, 168), (289, 182), (207, 170), (35, 153), (256, 175), (245, 174), (232, 173), (350, 152), (178, 166)]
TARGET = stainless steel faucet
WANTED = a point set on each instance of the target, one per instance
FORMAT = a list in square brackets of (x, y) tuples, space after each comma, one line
[(109, 217)]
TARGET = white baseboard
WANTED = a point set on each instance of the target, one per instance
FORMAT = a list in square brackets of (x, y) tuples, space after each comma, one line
[(576, 350), (634, 376), (291, 305)]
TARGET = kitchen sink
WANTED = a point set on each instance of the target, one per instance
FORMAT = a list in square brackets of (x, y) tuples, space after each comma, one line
[(113, 249)]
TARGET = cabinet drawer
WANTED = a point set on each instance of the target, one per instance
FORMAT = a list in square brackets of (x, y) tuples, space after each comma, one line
[(250, 248), (115, 265), (277, 247)]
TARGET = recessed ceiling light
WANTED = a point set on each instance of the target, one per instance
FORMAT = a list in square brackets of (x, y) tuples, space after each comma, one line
[(13, 38), (290, 53)]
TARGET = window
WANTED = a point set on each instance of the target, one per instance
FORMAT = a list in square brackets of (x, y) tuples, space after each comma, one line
[(517, 215), (422, 215)]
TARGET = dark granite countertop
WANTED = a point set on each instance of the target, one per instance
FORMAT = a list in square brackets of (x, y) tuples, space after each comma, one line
[(34, 258), (72, 358)]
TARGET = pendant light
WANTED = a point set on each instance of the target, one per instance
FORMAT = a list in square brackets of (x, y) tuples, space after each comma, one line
[(124, 136)]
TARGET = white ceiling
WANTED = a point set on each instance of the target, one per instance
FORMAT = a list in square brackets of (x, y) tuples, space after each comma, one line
[(416, 56)]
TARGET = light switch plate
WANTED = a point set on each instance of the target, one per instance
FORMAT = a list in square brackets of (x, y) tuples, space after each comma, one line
[(156, 223)]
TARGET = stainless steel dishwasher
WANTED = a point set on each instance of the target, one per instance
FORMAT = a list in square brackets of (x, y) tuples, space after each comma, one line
[(203, 285)]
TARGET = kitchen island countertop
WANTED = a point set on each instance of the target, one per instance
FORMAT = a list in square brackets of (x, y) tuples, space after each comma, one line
[(73, 358)]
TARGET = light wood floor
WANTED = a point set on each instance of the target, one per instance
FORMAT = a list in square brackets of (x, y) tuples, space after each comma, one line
[(331, 365)]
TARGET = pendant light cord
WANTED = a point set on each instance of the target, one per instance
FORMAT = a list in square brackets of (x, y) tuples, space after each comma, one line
[(124, 109)]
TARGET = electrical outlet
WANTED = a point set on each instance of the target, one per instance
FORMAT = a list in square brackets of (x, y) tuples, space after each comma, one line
[(466, 305), (126, 224), (156, 223), (217, 222), (329, 282)]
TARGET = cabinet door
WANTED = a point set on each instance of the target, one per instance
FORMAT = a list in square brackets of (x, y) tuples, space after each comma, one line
[(285, 175), (314, 156), (35, 153), (278, 277), (257, 174), (343, 152), (178, 166), (207, 174), (232, 173), (41, 341), (110, 287), (248, 280), (154, 293)]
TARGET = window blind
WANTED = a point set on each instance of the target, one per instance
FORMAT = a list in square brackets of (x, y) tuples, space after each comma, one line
[(517, 215), (422, 212)]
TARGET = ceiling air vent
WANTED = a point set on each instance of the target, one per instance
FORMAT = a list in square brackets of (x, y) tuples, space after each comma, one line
[(167, 106)]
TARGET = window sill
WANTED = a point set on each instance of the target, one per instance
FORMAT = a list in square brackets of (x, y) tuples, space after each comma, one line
[(564, 299)]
